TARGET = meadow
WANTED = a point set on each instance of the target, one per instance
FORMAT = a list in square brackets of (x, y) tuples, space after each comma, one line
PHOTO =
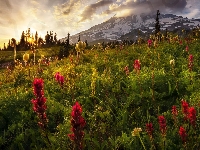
[(143, 96), (7, 56)]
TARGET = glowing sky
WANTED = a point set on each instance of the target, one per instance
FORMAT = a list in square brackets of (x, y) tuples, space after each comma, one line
[(73, 16)]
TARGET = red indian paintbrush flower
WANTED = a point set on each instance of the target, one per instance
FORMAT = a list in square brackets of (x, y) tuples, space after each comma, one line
[(126, 70), (136, 65), (149, 42), (190, 62), (182, 134), (162, 123), (180, 42), (149, 128), (185, 107), (192, 116), (78, 123), (174, 111), (38, 87), (39, 103), (187, 48), (121, 47), (71, 59), (59, 78)]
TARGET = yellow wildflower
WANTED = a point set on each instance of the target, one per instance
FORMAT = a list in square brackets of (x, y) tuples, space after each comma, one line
[(26, 57), (172, 62), (136, 131)]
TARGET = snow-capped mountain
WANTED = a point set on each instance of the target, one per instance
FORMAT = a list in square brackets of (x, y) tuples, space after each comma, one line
[(116, 27)]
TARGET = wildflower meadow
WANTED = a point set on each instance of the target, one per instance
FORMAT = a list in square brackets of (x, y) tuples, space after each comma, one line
[(139, 96)]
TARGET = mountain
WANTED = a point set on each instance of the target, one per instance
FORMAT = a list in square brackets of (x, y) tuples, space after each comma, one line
[(119, 28)]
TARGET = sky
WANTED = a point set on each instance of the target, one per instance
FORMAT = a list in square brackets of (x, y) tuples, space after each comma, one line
[(74, 16)]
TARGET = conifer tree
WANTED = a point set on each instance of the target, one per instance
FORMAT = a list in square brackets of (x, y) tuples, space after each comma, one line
[(40, 42), (36, 39), (9, 43), (55, 38), (26, 34), (4, 47), (9, 48), (79, 37), (157, 25), (47, 38), (64, 51), (86, 43), (22, 40), (67, 41), (51, 37)]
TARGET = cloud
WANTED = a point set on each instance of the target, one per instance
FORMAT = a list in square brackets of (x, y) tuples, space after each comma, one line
[(192, 10), (114, 6), (55, 2), (174, 5), (34, 3), (77, 15), (7, 2), (90, 10), (67, 8), (146, 6), (193, 14), (127, 8)]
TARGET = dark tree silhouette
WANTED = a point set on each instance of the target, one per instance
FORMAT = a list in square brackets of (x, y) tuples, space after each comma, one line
[(67, 41), (86, 43), (28, 40), (26, 36), (32, 40), (9, 48), (64, 51), (40, 42), (79, 37), (157, 25), (55, 38), (47, 38), (4, 47), (51, 37), (36, 39), (22, 40)]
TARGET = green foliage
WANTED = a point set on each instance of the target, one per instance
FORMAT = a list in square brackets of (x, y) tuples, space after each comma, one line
[(113, 103)]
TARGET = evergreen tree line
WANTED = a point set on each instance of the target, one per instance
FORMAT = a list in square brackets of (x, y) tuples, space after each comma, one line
[(30, 41)]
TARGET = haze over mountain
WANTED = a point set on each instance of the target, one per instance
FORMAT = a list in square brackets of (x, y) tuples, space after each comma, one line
[(74, 16)]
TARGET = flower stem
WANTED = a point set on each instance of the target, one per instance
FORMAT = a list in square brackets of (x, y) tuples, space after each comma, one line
[(141, 91), (141, 141), (153, 98), (48, 139)]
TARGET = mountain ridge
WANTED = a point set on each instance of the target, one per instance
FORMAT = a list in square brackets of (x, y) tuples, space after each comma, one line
[(116, 28)]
